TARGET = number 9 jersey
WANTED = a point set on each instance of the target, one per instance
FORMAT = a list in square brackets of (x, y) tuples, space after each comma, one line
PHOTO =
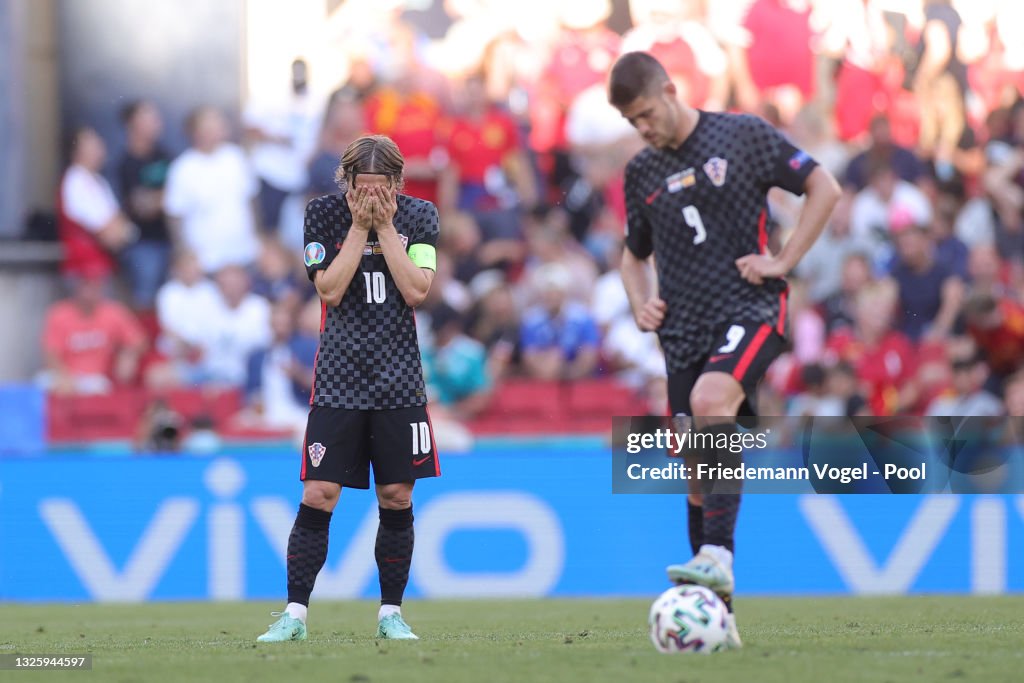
[(698, 208), (369, 356)]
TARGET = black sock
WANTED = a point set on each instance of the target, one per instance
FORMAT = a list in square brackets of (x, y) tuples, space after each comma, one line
[(307, 551), (695, 518), (721, 496), (394, 553)]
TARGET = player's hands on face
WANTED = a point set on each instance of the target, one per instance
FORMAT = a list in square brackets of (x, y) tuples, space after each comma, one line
[(756, 268), (361, 204), (386, 206), (651, 315)]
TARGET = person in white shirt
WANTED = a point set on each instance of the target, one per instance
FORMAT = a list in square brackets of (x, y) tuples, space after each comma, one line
[(184, 305), (967, 396), (92, 226), (209, 193), (238, 325), (281, 138), (870, 212)]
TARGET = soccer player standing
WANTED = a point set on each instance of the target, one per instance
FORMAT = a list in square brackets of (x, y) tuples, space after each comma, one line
[(696, 199), (370, 251)]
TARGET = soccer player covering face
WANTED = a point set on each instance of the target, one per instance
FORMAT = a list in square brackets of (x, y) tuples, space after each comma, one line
[(696, 200), (370, 251)]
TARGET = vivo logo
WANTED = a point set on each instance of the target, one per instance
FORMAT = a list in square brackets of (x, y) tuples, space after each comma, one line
[(915, 546), (225, 524)]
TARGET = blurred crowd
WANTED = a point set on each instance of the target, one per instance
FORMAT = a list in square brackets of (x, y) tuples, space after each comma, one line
[(910, 302)]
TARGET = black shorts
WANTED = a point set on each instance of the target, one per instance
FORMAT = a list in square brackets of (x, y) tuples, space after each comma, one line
[(743, 350), (341, 444)]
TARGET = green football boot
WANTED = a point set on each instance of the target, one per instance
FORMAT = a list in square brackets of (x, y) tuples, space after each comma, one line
[(284, 629), (393, 627)]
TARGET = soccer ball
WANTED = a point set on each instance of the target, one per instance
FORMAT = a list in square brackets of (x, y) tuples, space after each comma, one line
[(688, 618)]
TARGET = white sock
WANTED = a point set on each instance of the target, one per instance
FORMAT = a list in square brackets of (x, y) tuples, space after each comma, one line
[(387, 610), (296, 611), (719, 552)]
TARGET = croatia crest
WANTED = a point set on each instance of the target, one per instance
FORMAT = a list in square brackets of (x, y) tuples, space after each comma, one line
[(716, 168), (316, 453)]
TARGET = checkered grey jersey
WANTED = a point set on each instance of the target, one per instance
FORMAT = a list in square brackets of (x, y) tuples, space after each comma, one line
[(700, 207), (369, 356)]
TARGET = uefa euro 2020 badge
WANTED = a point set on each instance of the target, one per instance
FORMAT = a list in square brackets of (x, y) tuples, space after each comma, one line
[(316, 453), (314, 254)]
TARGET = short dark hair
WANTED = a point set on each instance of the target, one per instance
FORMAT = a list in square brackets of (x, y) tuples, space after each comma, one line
[(129, 110), (634, 75)]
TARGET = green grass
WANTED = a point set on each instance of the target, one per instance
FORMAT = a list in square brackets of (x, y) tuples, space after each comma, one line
[(923, 639)]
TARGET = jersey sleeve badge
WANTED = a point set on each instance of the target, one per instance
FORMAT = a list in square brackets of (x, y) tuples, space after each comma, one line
[(715, 167), (315, 253)]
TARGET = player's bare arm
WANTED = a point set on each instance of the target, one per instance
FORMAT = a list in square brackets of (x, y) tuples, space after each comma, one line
[(822, 192), (332, 283), (412, 281), (648, 308)]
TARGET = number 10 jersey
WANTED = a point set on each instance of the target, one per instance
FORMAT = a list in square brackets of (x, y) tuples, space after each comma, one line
[(369, 356)]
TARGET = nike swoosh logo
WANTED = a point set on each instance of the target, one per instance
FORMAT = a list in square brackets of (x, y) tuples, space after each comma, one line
[(715, 359), (417, 463)]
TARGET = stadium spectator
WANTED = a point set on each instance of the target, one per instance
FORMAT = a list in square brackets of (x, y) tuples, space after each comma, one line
[(1004, 182), (209, 192), (184, 305), (767, 70), (855, 36), (1013, 397), (90, 223), (279, 377), (883, 358), (816, 399), (559, 337), (672, 31), (550, 242), (490, 174), (493, 320), (823, 266), (939, 82), (415, 119), (807, 327), (967, 396), (580, 57), (882, 151), (930, 291), (277, 276), (840, 308), (997, 327), (841, 381), (281, 137), (142, 173), (987, 272), (237, 326), (873, 206), (455, 367), (948, 247), (91, 343)]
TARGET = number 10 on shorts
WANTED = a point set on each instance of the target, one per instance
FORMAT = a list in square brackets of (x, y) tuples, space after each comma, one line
[(420, 438)]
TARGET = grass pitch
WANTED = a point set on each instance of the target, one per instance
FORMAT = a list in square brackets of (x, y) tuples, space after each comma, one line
[(872, 640)]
